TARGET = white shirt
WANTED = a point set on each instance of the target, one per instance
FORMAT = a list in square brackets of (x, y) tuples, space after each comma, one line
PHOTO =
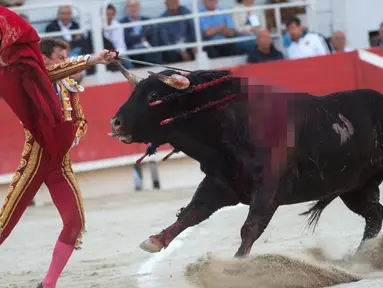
[(116, 36), (66, 30), (309, 45), (346, 49), (240, 18)]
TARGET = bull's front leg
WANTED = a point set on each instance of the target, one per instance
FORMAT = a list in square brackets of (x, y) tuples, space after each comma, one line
[(211, 195), (266, 196), (261, 211)]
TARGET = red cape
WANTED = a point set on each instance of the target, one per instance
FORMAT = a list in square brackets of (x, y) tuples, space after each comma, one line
[(26, 87)]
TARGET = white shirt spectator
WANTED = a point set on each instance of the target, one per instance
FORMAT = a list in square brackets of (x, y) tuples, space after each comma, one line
[(116, 36), (66, 30), (309, 45), (244, 21)]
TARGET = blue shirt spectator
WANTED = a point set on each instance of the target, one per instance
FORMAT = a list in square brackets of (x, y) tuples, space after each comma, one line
[(217, 27), (179, 31), (213, 22)]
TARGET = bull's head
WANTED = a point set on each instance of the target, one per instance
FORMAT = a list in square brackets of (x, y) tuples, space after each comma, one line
[(162, 96)]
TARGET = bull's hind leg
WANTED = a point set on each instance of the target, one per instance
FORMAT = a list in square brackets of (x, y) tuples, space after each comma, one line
[(365, 202), (210, 196)]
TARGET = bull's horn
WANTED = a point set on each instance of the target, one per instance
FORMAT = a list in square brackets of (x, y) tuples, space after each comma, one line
[(176, 81), (130, 76)]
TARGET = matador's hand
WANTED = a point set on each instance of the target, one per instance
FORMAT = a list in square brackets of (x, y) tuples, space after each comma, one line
[(105, 57)]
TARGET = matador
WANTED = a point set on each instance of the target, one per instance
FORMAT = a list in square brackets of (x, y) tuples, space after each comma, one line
[(34, 81)]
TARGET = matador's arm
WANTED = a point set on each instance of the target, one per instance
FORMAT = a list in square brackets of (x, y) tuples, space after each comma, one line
[(68, 68)]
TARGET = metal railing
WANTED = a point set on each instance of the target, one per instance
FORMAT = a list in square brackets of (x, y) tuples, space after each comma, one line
[(99, 24)]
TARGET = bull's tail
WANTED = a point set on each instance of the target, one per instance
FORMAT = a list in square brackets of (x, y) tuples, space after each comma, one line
[(316, 211)]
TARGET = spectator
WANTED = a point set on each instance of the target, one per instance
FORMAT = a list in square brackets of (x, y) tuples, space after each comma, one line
[(380, 41), (248, 22), (136, 37), (304, 44), (217, 27), (377, 41), (338, 42), (264, 51), (177, 32), (286, 39), (286, 14), (139, 37), (65, 23), (11, 3), (115, 36)]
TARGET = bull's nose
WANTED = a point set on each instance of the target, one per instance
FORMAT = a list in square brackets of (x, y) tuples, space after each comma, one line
[(116, 124)]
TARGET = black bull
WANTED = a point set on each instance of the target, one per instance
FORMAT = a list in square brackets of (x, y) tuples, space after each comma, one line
[(263, 149)]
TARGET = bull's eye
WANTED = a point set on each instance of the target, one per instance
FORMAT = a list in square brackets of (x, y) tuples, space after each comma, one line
[(153, 96)]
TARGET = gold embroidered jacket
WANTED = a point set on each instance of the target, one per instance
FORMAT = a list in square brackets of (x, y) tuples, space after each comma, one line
[(68, 91)]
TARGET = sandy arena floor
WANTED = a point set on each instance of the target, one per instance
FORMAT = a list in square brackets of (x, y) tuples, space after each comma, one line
[(111, 258)]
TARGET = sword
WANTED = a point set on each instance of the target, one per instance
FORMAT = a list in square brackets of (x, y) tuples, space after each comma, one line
[(150, 64)]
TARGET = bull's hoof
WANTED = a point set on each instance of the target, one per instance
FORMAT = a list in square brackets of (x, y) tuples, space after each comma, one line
[(151, 245), (40, 285), (241, 254)]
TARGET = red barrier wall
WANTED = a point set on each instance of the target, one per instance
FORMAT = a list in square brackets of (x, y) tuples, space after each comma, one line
[(319, 76)]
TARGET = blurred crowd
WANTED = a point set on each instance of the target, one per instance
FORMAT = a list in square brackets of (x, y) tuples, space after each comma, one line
[(259, 26)]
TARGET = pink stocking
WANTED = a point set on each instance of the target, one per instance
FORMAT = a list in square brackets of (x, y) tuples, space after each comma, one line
[(60, 257)]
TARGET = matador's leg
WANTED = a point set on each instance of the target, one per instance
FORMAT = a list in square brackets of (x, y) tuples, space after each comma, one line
[(25, 183), (66, 196)]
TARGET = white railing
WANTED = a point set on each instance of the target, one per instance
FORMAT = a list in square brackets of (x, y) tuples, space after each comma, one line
[(50, 5), (196, 15), (99, 24)]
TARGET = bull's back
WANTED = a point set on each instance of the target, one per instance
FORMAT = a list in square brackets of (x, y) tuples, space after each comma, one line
[(337, 138)]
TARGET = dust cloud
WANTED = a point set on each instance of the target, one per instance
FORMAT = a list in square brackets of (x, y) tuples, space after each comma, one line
[(312, 268)]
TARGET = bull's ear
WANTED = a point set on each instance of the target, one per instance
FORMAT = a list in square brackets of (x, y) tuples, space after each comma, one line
[(130, 76), (176, 80)]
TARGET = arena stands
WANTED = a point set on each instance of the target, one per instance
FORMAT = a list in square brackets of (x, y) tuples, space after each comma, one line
[(92, 31)]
